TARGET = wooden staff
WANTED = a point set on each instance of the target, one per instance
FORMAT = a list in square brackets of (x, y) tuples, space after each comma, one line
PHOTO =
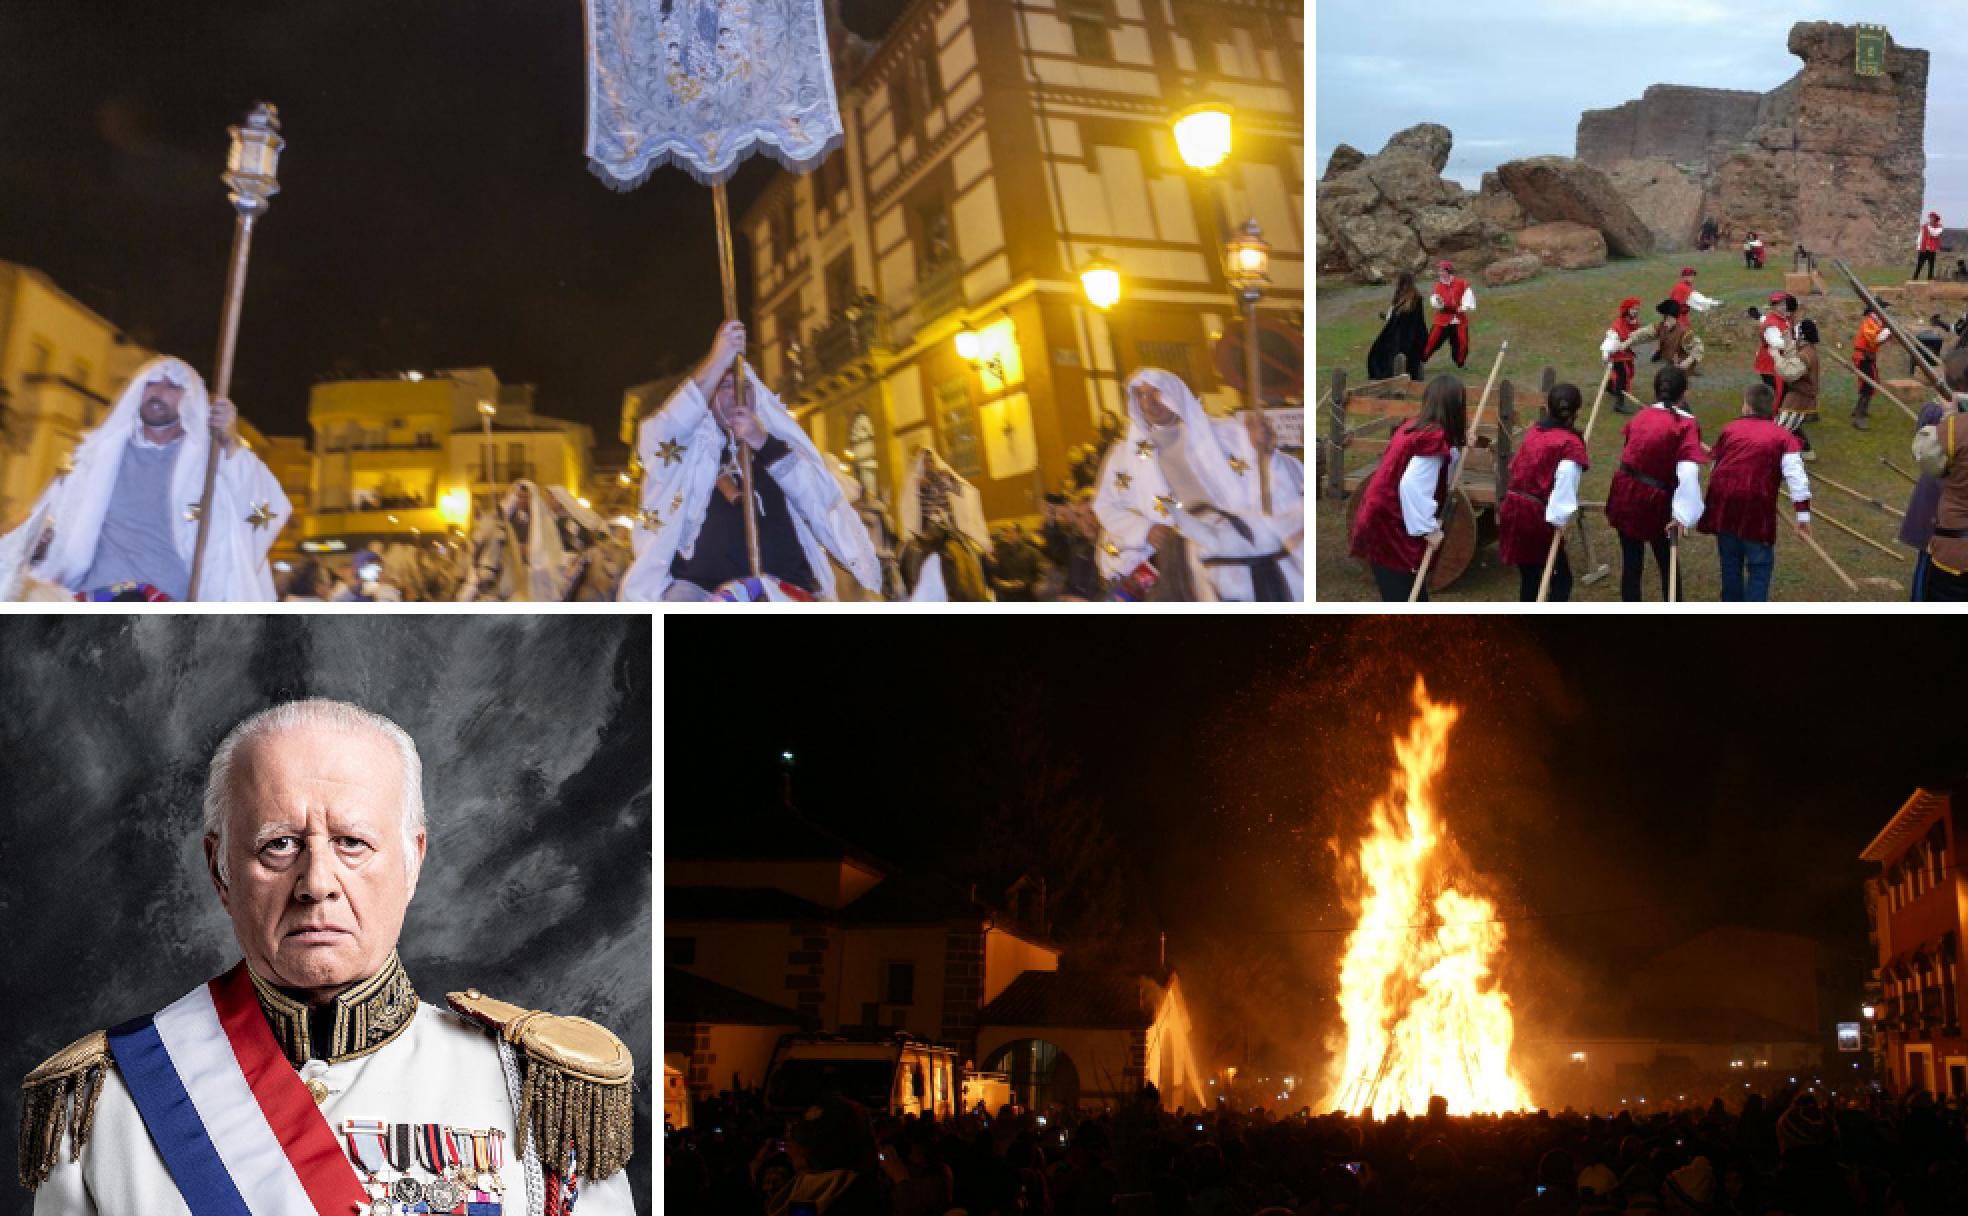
[(1897, 469), (1558, 534), (252, 180), (729, 272), (1818, 549), (1862, 497), (1877, 386), (1455, 479), (1674, 568), (1857, 535)]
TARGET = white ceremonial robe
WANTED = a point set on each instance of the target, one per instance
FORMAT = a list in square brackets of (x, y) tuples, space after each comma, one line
[(1134, 495), (440, 1069), (681, 447), (248, 507)]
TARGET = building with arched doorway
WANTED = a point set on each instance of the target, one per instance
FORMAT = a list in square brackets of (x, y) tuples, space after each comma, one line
[(1087, 1038)]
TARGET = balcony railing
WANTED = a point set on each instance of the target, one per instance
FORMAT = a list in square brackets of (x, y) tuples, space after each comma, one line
[(851, 336), (337, 445), (939, 292)]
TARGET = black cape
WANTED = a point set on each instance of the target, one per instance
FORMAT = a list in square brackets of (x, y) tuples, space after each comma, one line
[(1404, 334)]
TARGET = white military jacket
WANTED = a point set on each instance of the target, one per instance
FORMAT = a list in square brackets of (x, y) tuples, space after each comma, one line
[(432, 1066)]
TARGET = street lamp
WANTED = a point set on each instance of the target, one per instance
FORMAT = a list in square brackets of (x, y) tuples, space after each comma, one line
[(1247, 264), (1100, 279), (970, 348), (485, 411), (1202, 135), (1867, 1012)]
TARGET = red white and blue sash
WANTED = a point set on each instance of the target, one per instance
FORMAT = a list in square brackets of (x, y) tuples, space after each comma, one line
[(236, 1126)]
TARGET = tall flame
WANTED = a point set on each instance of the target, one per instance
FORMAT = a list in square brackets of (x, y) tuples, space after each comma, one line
[(1422, 1010)]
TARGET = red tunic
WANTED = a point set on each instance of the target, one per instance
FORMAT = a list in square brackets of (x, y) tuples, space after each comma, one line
[(1930, 241), (1680, 294), (1623, 329), (1522, 534), (1657, 439), (1766, 363), (1380, 534), (1742, 489), (1451, 295)]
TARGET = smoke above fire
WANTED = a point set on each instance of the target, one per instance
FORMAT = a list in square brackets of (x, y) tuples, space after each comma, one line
[(1422, 1006)]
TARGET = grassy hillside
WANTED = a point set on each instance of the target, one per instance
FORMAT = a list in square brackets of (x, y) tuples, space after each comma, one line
[(1557, 320)]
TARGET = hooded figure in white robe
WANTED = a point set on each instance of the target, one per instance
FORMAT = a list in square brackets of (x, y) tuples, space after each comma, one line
[(530, 571), (248, 508), (951, 533), (588, 573), (1198, 477), (682, 448)]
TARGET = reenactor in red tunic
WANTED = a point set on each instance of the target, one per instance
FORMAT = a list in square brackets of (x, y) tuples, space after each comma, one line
[(1657, 490), (1401, 506), (1751, 457), (1454, 299), (1543, 496)]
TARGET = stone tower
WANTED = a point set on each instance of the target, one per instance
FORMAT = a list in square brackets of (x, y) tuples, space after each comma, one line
[(1830, 159)]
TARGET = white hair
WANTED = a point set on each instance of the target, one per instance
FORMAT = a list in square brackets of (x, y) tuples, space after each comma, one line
[(316, 712)]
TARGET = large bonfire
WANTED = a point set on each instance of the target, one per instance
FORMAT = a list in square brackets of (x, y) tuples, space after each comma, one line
[(1423, 1012)]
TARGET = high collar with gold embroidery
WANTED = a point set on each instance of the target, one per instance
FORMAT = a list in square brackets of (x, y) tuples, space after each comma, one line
[(366, 1016)]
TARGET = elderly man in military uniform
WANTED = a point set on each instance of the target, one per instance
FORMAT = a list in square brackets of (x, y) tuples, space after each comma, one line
[(310, 1078)]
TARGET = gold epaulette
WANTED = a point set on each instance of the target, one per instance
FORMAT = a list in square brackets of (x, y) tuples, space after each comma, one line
[(60, 1095), (576, 1093)]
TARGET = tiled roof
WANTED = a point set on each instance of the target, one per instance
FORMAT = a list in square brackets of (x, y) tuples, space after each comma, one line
[(688, 997), (738, 903), (1101, 999)]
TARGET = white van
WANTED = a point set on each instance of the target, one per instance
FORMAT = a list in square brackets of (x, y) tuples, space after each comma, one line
[(893, 1073)]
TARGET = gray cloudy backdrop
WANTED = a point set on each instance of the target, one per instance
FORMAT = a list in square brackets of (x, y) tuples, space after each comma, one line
[(1510, 79), (535, 732)]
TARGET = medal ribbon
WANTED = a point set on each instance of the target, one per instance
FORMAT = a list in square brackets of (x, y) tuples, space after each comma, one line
[(430, 1148), (398, 1137), (367, 1143)]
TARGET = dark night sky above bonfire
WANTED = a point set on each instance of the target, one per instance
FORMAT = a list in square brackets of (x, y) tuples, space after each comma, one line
[(1621, 785), (436, 207)]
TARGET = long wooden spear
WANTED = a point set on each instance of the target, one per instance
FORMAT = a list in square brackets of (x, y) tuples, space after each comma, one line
[(251, 176), (1882, 389), (1455, 479), (1923, 359), (1558, 534), (1858, 494)]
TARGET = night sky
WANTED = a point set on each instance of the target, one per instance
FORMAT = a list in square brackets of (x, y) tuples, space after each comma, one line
[(436, 209), (1621, 785)]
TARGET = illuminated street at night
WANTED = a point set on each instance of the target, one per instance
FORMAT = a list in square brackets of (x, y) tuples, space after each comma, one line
[(1345, 915), (654, 301)]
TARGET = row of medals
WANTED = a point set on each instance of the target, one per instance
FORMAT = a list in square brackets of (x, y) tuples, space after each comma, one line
[(450, 1188)]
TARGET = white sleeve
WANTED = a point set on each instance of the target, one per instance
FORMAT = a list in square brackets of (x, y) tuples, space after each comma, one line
[(1687, 493), (1419, 510), (1468, 300), (1885, 335), (1700, 302), (1797, 484), (1434, 299), (1564, 502), (1609, 344), (1773, 337)]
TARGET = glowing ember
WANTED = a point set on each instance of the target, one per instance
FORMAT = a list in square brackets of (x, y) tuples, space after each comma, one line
[(1422, 1010)]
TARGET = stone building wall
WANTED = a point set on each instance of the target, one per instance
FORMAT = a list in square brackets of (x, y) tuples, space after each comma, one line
[(1830, 159)]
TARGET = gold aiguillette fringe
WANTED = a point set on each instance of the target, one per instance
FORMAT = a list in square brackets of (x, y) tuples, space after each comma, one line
[(563, 1112), (60, 1096), (576, 1092)]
